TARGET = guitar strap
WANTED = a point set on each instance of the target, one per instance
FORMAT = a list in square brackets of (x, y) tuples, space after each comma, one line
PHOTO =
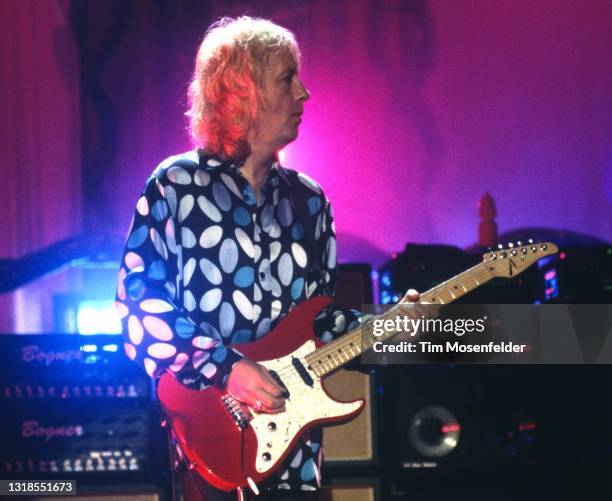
[(299, 195)]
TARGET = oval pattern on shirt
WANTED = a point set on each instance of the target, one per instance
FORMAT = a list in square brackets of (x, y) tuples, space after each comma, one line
[(133, 260), (188, 239), (210, 300), (299, 254), (130, 351), (138, 236), (183, 328), (331, 253), (157, 328), (242, 216), (135, 330), (228, 255), (227, 319), (285, 269), (188, 270), (159, 211), (178, 175), (245, 242), (155, 306), (209, 209), (150, 366), (142, 206), (170, 238), (244, 277), (210, 271), (285, 213), (243, 305), (161, 350), (201, 177), (158, 243), (211, 236), (185, 207), (179, 362), (170, 195), (221, 196), (231, 184)]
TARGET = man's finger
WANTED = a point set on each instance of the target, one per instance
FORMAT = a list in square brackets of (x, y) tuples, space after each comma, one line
[(270, 386), (270, 400)]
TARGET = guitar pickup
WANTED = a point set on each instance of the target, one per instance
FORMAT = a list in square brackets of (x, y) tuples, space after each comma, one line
[(279, 381), (301, 370)]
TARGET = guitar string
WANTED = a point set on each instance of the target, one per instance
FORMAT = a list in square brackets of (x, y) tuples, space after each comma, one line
[(340, 345), (478, 272)]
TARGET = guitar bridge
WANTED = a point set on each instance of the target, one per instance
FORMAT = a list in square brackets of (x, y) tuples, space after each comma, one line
[(235, 410)]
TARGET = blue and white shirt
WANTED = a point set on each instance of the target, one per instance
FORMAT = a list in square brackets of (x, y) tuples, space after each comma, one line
[(207, 265)]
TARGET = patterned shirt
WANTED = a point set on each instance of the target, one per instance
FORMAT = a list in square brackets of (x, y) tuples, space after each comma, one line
[(207, 265)]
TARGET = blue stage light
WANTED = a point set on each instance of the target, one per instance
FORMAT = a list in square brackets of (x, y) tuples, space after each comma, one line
[(98, 316)]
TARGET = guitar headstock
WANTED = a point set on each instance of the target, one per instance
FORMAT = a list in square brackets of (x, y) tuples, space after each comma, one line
[(515, 258)]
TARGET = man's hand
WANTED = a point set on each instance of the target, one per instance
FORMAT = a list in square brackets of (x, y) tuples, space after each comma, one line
[(412, 296), (252, 384)]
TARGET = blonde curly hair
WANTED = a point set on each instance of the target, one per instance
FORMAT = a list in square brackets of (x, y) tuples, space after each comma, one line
[(224, 93)]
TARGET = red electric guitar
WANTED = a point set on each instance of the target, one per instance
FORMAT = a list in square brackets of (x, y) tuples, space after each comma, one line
[(231, 446)]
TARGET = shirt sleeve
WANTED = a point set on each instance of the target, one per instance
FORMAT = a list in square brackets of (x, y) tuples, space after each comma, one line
[(332, 322), (158, 332)]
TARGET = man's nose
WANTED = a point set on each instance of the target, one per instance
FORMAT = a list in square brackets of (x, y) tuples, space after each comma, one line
[(303, 94)]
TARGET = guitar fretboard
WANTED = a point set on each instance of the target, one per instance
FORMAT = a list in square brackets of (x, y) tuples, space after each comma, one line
[(341, 351)]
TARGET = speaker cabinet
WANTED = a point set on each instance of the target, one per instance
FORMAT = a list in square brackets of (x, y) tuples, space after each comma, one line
[(353, 441), (475, 424), (351, 489)]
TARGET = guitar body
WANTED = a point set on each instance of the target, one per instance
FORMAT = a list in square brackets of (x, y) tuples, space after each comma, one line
[(229, 444)]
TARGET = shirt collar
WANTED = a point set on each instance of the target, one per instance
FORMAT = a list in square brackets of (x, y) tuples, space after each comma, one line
[(276, 175), (213, 162)]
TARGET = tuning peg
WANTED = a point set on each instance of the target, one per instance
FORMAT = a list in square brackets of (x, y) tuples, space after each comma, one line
[(500, 246), (510, 245), (530, 241)]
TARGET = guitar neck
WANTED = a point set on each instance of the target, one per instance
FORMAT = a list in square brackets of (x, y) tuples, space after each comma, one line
[(341, 351)]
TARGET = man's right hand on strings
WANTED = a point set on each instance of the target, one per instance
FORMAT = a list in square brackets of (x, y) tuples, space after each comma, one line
[(252, 384)]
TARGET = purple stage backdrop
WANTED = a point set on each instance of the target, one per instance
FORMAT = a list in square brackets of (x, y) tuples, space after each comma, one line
[(418, 108)]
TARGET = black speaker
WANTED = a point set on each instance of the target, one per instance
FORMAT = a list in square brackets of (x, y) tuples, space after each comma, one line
[(470, 425)]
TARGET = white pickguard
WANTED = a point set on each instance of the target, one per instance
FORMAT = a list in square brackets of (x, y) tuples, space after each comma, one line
[(305, 404)]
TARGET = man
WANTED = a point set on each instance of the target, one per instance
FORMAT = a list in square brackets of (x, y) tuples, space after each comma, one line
[(219, 251)]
